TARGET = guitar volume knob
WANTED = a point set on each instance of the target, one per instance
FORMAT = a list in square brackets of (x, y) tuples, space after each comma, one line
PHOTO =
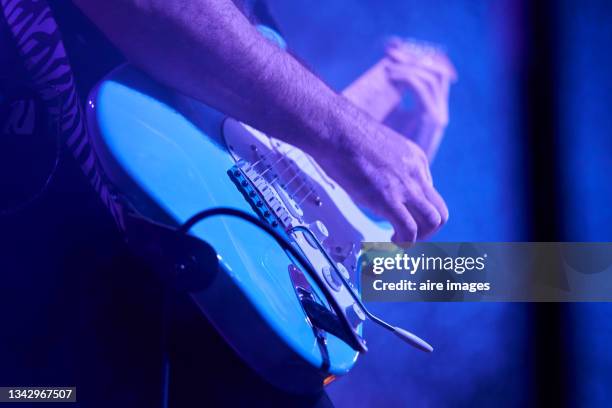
[(319, 230), (331, 278)]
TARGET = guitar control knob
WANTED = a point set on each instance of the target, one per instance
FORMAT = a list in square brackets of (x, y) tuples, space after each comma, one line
[(331, 277), (319, 230), (343, 271)]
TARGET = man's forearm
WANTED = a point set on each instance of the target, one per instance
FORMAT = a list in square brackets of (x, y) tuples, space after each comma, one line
[(207, 49)]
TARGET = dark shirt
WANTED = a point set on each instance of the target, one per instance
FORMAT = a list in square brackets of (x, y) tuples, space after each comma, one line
[(91, 55), (10, 68), (56, 243)]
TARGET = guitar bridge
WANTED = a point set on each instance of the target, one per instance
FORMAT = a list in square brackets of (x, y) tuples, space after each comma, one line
[(264, 197)]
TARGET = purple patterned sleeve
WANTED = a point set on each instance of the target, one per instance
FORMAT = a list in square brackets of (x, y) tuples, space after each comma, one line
[(39, 43)]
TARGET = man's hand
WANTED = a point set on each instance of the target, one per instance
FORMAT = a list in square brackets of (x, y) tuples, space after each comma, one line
[(408, 68), (426, 73), (207, 49), (389, 174)]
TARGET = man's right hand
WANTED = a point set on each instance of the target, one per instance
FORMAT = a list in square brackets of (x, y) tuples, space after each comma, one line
[(208, 50), (389, 174)]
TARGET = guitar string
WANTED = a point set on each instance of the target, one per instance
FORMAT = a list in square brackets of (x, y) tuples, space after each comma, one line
[(271, 166), (265, 156), (293, 162), (306, 196), (300, 188), (297, 162), (298, 174), (305, 182), (288, 182)]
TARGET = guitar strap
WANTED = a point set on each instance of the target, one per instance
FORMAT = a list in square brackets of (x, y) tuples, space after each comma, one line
[(38, 41)]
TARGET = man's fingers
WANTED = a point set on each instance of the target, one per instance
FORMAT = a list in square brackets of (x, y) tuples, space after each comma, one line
[(423, 93), (401, 52), (425, 214), (430, 90), (442, 60), (418, 215), (440, 63), (394, 42), (437, 201), (431, 80), (435, 82), (439, 88), (403, 222)]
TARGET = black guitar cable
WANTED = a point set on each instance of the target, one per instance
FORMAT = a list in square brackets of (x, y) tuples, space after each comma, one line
[(403, 334), (184, 229)]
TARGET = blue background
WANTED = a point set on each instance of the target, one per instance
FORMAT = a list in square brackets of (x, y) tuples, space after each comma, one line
[(586, 143), (482, 350)]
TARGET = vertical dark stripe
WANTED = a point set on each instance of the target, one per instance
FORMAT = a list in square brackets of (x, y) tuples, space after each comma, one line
[(549, 325)]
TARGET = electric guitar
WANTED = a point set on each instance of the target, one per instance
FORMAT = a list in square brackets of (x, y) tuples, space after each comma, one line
[(172, 157)]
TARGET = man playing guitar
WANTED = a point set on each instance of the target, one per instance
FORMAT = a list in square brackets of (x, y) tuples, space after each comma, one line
[(380, 153), (208, 49)]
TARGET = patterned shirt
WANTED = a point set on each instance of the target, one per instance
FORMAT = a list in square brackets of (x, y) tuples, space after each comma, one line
[(39, 45)]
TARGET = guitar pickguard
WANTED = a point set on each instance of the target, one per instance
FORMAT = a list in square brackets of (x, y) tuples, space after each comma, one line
[(266, 201)]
